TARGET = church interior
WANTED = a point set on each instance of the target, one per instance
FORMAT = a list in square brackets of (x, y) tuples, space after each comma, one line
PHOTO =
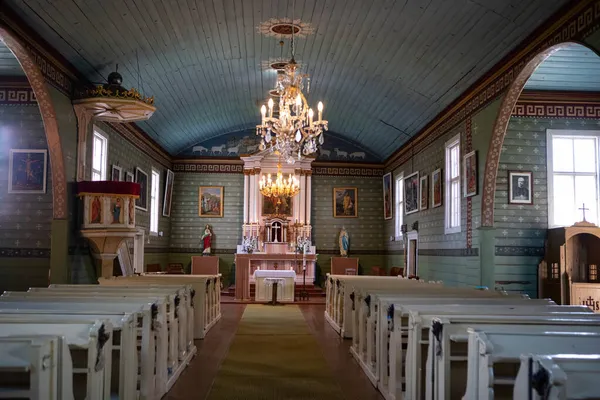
[(299, 199)]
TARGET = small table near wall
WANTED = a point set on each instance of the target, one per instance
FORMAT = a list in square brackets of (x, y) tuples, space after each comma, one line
[(204, 265), (344, 266)]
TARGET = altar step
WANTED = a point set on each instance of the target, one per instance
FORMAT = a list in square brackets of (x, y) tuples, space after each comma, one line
[(313, 291)]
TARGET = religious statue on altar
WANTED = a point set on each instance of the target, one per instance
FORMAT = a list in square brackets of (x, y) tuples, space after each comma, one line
[(344, 242), (206, 240)]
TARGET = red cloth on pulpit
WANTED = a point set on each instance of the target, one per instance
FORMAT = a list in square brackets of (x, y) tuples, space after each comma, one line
[(108, 187)]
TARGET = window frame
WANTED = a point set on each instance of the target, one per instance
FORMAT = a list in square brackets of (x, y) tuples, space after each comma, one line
[(569, 133), (97, 132), (154, 202), (398, 204), (448, 203)]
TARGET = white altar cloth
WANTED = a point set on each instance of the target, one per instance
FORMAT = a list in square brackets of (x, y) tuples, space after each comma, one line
[(264, 284)]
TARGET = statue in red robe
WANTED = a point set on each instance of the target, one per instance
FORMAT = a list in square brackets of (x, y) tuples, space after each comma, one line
[(206, 240)]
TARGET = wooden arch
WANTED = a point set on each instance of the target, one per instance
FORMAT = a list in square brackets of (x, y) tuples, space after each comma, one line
[(42, 94), (501, 125)]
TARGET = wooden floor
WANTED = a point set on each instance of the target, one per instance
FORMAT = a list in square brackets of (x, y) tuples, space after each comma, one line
[(196, 380)]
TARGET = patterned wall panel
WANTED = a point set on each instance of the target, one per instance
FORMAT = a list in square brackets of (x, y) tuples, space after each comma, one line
[(187, 227), (25, 219), (521, 229)]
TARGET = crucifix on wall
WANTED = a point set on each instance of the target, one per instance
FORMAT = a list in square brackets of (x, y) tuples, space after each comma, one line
[(276, 232)]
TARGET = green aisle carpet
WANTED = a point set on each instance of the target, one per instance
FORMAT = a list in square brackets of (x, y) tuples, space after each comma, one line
[(273, 356)]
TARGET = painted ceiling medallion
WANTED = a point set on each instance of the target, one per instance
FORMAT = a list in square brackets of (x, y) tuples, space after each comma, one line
[(284, 27)]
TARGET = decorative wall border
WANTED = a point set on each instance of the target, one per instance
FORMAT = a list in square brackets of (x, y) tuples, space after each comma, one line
[(473, 252), (214, 167), (11, 96), (569, 23), (468, 252), (348, 171), (519, 251), (469, 148), (579, 105), (24, 253)]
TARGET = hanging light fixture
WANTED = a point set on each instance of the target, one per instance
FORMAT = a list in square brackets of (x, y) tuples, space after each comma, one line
[(279, 187), (294, 132)]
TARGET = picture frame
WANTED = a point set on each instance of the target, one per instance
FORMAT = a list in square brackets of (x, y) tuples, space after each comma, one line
[(345, 202), (141, 177), (129, 177), (168, 197), (437, 193), (470, 174), (424, 192), (277, 206), (520, 187), (27, 171), (388, 199), (411, 193), (210, 201), (116, 173)]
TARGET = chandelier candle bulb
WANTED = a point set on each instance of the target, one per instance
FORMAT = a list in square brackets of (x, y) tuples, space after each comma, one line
[(320, 108), (310, 116), (270, 108)]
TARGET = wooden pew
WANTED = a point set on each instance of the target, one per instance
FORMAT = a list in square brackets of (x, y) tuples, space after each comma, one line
[(406, 366), (91, 339), (558, 377), (42, 361), (448, 337), (178, 309), (124, 344), (207, 293), (495, 353), (151, 316)]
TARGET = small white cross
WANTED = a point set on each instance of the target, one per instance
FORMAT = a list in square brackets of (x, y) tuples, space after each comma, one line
[(584, 210)]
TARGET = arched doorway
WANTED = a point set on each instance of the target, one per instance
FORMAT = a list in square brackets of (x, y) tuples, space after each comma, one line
[(500, 127), (59, 243)]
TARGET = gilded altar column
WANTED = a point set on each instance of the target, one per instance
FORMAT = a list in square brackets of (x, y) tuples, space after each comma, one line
[(308, 195), (246, 194), (302, 197), (256, 194), (251, 196)]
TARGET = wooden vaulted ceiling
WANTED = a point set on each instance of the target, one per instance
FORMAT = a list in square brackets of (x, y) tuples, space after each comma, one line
[(383, 68)]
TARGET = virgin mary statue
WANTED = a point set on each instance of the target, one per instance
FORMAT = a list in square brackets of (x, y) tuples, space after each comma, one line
[(344, 242)]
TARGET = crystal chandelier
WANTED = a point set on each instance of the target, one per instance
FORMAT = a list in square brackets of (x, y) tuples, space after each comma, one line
[(294, 132), (279, 187)]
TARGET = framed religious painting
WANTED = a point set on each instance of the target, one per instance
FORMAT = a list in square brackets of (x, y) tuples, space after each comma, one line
[(520, 187), (387, 196), (141, 177), (436, 188), (424, 193), (470, 174), (277, 206), (27, 171), (345, 202), (210, 201), (411, 193), (116, 173), (129, 177), (168, 193)]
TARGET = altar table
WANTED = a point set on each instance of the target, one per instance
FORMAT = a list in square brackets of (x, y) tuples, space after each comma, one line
[(265, 279)]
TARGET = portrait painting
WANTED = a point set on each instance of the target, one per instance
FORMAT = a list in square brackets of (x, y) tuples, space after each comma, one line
[(436, 188), (424, 192), (411, 193), (387, 196), (520, 187), (116, 210), (141, 177), (277, 206), (168, 193), (470, 174), (210, 201), (96, 210), (345, 202), (117, 173), (27, 171), (129, 177)]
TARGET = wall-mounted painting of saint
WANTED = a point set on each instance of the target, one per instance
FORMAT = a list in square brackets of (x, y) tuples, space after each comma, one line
[(470, 174), (436, 188), (387, 196), (210, 201), (27, 170), (345, 202), (168, 193), (117, 173), (424, 192), (277, 206), (141, 177), (411, 193)]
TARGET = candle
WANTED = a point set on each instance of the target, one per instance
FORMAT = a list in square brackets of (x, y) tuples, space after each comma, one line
[(310, 116), (320, 108), (263, 111), (270, 108)]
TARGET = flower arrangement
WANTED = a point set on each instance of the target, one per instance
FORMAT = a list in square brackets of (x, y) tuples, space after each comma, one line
[(249, 244), (303, 245)]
